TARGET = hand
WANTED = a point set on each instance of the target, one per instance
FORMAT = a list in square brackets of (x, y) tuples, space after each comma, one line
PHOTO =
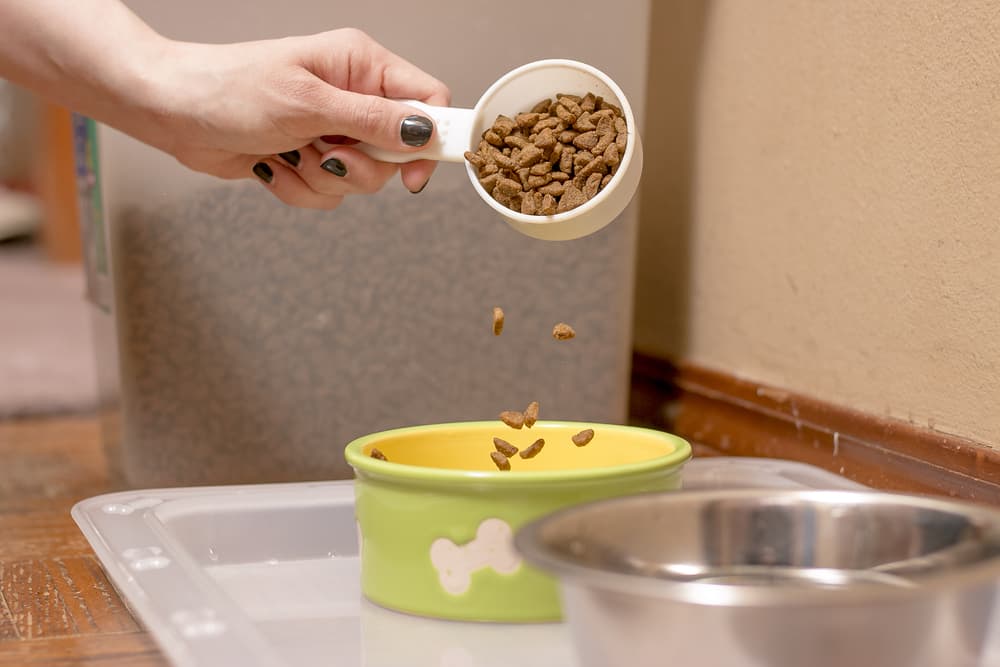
[(253, 109), (229, 110)]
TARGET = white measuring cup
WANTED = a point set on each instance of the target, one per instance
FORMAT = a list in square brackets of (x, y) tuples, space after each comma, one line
[(460, 130)]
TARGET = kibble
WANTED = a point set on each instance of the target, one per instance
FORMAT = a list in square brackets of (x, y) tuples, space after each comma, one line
[(531, 414), (504, 447), (583, 437), (569, 138), (497, 320), (531, 451), (512, 418), (500, 460), (563, 331), (376, 454)]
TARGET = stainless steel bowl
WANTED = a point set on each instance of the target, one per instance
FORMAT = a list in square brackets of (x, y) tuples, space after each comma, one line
[(774, 578)]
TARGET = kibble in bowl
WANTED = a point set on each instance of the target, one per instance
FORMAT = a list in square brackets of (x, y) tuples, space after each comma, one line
[(441, 500)]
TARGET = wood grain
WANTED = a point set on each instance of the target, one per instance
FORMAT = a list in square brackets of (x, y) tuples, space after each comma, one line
[(47, 531), (105, 650), (57, 606), (55, 597)]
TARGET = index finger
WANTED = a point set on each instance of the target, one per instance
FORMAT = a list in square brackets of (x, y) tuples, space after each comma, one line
[(403, 80), (372, 69)]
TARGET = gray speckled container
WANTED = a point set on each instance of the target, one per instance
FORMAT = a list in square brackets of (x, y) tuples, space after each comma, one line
[(256, 340)]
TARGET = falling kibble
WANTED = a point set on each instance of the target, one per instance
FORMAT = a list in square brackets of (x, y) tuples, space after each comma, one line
[(563, 331), (583, 437), (531, 414), (497, 320), (376, 454), (512, 418), (532, 451), (504, 447), (500, 460)]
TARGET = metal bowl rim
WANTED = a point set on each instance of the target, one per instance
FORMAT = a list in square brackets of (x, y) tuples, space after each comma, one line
[(528, 542)]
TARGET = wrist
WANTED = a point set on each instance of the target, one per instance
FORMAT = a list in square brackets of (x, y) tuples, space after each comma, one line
[(138, 96)]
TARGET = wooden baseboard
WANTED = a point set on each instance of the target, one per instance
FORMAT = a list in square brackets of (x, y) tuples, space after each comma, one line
[(724, 415)]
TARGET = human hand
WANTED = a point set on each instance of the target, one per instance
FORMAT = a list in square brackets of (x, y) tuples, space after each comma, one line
[(253, 109)]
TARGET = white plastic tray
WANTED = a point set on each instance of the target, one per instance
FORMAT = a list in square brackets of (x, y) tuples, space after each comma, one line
[(267, 575)]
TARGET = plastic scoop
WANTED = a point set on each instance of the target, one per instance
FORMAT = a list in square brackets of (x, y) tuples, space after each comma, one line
[(460, 130)]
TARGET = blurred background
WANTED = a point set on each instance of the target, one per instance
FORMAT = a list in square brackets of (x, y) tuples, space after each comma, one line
[(47, 360)]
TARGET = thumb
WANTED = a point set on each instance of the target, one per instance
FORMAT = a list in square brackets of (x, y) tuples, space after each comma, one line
[(374, 120)]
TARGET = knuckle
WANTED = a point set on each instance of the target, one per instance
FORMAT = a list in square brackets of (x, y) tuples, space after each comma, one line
[(295, 103), (322, 202), (368, 187), (331, 203), (373, 115), (442, 91), (366, 176), (355, 36), (377, 181), (284, 196), (296, 87), (297, 95), (197, 161)]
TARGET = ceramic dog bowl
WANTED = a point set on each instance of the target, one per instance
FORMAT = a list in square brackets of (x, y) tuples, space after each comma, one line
[(775, 577), (437, 519)]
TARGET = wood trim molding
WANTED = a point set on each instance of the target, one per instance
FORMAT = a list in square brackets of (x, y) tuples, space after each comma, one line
[(725, 415)]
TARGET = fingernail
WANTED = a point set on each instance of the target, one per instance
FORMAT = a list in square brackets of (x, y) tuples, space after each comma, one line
[(421, 188), (335, 167), (416, 130), (291, 157), (262, 170)]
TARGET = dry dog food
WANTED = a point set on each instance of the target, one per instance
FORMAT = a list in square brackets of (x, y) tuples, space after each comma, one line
[(518, 420), (531, 414), (504, 447), (531, 451), (512, 418), (554, 157), (376, 454), (500, 460), (563, 331)]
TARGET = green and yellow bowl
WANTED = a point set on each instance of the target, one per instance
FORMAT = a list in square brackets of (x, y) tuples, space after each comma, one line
[(436, 520)]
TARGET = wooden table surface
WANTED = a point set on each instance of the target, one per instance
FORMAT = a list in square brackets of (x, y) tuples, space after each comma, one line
[(57, 608)]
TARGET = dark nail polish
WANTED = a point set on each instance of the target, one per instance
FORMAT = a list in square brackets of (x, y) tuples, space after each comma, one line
[(421, 188), (262, 170), (335, 167), (291, 157), (339, 139), (416, 130)]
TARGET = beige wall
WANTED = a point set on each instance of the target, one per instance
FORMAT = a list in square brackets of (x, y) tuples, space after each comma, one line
[(824, 214)]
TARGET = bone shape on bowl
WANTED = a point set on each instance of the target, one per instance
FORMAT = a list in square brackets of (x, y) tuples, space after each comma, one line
[(492, 548)]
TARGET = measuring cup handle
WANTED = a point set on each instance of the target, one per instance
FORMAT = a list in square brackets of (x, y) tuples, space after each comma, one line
[(452, 131)]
